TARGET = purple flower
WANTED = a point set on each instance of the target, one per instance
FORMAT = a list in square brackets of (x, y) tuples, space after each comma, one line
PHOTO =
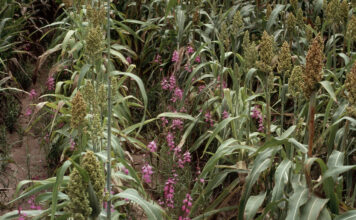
[(190, 50), (172, 82), (125, 170), (175, 56), (152, 146), (72, 144), (164, 121), (177, 124), (129, 60), (225, 114), (50, 83), (170, 140), (33, 94), (165, 83), (157, 59), (146, 173), (257, 114), (28, 112), (187, 204), (209, 119), (187, 68), (169, 192), (187, 157), (178, 95)]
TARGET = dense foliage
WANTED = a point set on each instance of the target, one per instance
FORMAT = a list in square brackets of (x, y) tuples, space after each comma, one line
[(214, 109)]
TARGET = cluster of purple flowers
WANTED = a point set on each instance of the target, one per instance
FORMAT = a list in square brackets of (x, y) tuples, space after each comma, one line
[(147, 172), (50, 83), (187, 204), (257, 114), (169, 191)]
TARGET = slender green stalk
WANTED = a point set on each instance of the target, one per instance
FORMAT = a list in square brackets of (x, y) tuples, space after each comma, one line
[(346, 130), (311, 114), (108, 150), (282, 102), (268, 109)]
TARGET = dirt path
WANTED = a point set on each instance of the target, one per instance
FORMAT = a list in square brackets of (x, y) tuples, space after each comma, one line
[(29, 159)]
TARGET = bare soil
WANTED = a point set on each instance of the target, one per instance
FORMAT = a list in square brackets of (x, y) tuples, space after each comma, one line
[(28, 158)]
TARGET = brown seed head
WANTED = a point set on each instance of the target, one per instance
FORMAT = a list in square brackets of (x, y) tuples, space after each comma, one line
[(266, 53), (314, 66), (296, 81), (237, 23), (351, 29), (79, 108), (350, 85), (284, 60), (291, 23)]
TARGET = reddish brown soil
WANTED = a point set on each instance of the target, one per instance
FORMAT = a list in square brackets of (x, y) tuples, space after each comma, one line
[(28, 157)]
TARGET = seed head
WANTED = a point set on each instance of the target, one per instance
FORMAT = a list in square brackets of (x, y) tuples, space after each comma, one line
[(309, 32), (296, 81), (318, 23), (268, 10), (344, 11), (96, 16), (237, 23), (224, 35), (94, 42), (294, 4), (291, 23), (78, 110), (351, 29), (314, 66), (284, 60), (250, 51), (350, 83), (266, 53), (300, 18), (96, 174), (332, 13)]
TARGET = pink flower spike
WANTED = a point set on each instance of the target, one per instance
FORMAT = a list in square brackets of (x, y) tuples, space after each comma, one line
[(197, 59), (50, 83), (190, 50), (147, 172), (33, 94), (202, 180), (225, 114), (175, 56), (152, 146), (28, 112), (129, 60)]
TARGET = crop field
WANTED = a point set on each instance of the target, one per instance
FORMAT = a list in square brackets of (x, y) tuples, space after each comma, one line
[(178, 110)]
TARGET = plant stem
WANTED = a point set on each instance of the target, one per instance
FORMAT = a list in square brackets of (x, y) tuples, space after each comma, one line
[(346, 130), (108, 150), (282, 103), (268, 104), (311, 114)]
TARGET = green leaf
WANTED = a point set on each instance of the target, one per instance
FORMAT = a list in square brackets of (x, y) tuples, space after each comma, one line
[(262, 162), (328, 87), (152, 210), (312, 209), (274, 16), (299, 198), (176, 115), (281, 179), (252, 205), (57, 185), (349, 215)]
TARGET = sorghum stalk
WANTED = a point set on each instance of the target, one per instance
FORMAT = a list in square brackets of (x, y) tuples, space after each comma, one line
[(311, 114), (108, 150), (312, 76)]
